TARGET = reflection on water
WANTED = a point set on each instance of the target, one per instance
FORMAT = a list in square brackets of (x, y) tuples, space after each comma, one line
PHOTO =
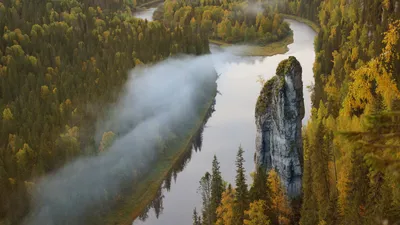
[(146, 14), (231, 125), (157, 203)]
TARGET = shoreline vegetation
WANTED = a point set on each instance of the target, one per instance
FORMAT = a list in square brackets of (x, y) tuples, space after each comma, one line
[(147, 5), (271, 49), (310, 23), (76, 56), (131, 207)]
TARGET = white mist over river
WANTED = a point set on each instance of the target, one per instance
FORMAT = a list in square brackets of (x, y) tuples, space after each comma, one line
[(146, 14), (231, 125)]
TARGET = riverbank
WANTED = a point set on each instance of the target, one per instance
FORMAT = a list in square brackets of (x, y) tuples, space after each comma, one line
[(232, 125), (149, 4), (274, 48), (131, 207), (310, 23)]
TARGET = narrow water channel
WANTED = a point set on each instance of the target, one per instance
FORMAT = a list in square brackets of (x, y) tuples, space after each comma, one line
[(230, 126), (146, 14)]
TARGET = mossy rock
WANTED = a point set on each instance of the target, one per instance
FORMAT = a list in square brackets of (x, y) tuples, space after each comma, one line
[(270, 87), (275, 84), (285, 66)]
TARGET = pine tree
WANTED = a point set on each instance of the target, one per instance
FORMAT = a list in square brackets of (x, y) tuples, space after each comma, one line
[(241, 200), (320, 171), (217, 188), (205, 191), (333, 216), (196, 218), (309, 209), (260, 190), (354, 210)]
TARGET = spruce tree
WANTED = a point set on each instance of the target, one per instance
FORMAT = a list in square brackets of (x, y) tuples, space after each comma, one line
[(205, 191), (379, 204), (241, 189), (357, 185), (309, 208), (258, 191), (196, 218), (320, 171), (261, 191), (217, 187)]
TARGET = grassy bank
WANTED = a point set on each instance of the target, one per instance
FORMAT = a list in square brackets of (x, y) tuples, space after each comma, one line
[(274, 48), (310, 23), (132, 206)]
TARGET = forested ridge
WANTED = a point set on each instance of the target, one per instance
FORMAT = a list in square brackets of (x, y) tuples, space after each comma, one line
[(351, 142), (61, 64)]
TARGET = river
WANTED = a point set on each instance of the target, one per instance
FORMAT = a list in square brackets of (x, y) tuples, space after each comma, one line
[(230, 126), (146, 13)]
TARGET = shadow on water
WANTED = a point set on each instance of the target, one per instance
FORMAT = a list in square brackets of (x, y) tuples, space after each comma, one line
[(179, 166)]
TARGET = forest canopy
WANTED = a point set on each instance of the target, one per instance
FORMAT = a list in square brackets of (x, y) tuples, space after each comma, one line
[(351, 142), (61, 63), (229, 21)]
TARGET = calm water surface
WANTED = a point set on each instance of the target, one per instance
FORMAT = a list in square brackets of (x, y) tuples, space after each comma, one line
[(231, 125), (146, 14)]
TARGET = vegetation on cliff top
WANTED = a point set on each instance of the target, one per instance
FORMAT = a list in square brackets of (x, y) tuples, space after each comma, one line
[(265, 97), (275, 84), (286, 65)]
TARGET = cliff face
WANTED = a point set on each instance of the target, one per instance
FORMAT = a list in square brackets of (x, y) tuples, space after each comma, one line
[(279, 111)]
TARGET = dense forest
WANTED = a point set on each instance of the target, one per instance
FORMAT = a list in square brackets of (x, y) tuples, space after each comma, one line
[(351, 143), (264, 202), (61, 63), (229, 21)]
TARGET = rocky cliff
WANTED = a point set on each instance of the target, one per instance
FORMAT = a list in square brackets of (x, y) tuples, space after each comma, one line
[(279, 111)]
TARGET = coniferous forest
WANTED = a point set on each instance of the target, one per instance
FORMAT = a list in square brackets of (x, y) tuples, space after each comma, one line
[(63, 64), (229, 21), (351, 145), (58, 58)]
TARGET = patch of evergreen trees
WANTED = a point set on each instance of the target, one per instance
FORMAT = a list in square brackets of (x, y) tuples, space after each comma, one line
[(61, 64), (229, 21), (351, 156), (264, 203), (351, 143)]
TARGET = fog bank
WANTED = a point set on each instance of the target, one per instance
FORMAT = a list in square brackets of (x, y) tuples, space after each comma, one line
[(157, 100)]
